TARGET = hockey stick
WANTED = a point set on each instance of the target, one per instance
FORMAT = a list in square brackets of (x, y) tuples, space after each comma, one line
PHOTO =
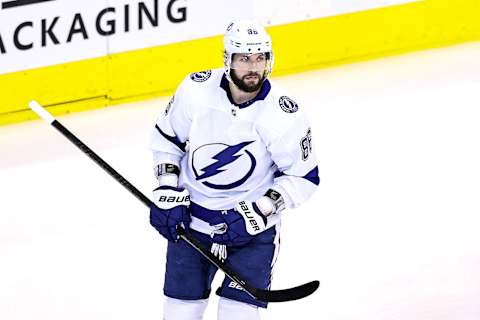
[(259, 294)]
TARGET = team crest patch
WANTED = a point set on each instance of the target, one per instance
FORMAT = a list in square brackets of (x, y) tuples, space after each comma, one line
[(287, 104), (201, 76)]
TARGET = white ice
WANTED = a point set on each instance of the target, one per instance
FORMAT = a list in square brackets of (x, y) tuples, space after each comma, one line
[(392, 233)]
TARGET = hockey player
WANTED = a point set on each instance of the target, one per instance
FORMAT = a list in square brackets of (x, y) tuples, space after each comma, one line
[(231, 152)]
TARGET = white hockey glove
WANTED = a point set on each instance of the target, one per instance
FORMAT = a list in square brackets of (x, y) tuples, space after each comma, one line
[(247, 220), (169, 208)]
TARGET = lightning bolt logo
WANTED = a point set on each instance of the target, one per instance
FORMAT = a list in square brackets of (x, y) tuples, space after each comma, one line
[(223, 158)]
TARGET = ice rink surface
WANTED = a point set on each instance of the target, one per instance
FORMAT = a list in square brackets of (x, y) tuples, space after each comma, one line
[(393, 231)]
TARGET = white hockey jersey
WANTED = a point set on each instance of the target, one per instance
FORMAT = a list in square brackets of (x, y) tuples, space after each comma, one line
[(228, 152)]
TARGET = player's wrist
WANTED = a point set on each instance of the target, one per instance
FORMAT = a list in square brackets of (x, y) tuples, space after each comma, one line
[(170, 180), (167, 174), (272, 202), (265, 205)]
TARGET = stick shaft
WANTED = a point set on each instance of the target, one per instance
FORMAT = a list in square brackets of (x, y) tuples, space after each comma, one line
[(259, 294), (42, 112), (104, 165)]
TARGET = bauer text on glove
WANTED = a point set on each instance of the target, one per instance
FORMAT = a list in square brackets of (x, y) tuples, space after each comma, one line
[(242, 223)]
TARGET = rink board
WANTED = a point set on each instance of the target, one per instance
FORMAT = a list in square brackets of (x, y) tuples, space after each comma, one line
[(299, 46)]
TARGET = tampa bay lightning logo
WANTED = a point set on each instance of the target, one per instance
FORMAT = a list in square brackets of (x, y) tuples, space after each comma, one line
[(201, 76), (221, 166), (287, 104)]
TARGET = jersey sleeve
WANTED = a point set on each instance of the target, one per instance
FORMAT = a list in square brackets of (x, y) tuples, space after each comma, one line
[(170, 134), (293, 153)]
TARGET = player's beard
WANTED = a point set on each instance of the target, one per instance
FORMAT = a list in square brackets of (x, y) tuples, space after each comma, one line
[(247, 85)]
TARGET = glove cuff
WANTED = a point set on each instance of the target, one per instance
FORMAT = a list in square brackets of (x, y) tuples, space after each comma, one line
[(170, 180), (166, 197)]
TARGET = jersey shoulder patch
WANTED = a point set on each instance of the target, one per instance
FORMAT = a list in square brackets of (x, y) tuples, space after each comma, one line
[(287, 104), (201, 76)]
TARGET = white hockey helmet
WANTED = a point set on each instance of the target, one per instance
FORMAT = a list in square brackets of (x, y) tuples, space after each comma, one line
[(246, 36)]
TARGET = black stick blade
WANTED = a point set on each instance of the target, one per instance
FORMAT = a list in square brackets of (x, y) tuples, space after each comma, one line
[(287, 294)]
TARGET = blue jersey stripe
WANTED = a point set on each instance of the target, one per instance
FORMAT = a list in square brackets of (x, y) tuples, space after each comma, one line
[(312, 176), (174, 139)]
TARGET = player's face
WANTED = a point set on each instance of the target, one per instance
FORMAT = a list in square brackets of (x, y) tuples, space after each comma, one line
[(248, 71)]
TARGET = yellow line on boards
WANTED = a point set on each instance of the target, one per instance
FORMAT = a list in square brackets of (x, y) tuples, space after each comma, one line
[(300, 46)]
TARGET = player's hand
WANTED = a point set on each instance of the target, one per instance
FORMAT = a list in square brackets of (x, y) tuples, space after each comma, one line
[(242, 223), (169, 210)]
